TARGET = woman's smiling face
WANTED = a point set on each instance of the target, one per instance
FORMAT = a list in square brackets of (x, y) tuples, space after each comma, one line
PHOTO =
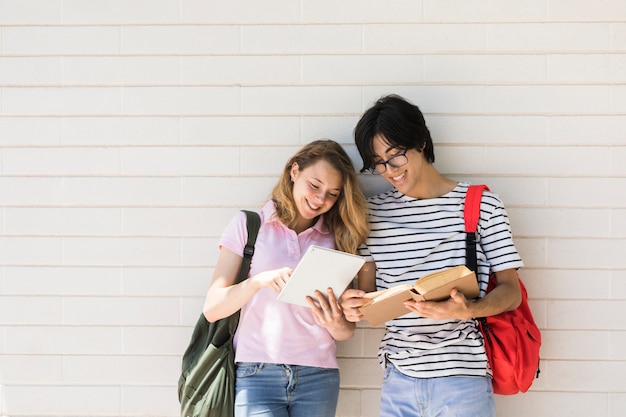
[(316, 189)]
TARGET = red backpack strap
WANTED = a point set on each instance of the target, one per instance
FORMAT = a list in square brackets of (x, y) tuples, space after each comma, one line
[(471, 214)]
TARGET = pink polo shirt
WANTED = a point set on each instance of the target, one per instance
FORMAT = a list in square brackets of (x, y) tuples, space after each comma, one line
[(271, 331)]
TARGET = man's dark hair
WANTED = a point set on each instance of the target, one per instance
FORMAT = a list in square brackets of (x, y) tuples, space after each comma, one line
[(397, 121)]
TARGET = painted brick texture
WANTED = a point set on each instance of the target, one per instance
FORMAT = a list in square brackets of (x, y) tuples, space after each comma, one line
[(132, 130)]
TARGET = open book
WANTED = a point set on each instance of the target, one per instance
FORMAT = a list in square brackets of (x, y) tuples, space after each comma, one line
[(319, 269), (436, 286)]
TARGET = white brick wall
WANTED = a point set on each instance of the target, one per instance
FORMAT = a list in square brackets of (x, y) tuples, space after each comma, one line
[(132, 130)]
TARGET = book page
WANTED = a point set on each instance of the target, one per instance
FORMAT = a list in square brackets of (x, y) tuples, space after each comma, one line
[(378, 296), (437, 286), (438, 279)]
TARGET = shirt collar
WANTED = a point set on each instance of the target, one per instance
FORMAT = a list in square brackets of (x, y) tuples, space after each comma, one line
[(269, 215)]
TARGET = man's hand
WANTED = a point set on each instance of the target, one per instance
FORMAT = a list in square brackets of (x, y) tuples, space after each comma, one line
[(456, 307), (350, 301)]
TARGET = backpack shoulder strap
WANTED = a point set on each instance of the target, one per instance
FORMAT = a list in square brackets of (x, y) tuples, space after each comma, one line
[(206, 333), (253, 223), (471, 211), (471, 214)]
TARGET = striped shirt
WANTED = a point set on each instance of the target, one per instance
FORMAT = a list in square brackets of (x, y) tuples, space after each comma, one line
[(411, 237)]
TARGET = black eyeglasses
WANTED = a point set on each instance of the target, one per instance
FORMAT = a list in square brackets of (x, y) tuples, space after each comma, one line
[(395, 161)]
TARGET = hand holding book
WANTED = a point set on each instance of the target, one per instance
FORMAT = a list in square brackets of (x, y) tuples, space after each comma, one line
[(388, 304)]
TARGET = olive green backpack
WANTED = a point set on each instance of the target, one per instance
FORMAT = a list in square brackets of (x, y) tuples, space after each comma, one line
[(206, 386)]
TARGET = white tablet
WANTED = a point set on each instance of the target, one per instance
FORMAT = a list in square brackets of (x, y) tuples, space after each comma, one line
[(319, 269)]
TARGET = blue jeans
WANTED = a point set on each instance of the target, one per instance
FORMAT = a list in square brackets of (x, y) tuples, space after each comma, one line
[(451, 396), (272, 390)]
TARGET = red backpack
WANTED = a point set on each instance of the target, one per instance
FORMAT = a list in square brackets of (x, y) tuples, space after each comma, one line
[(512, 339)]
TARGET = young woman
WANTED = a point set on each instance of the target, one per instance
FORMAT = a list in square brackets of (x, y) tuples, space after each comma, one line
[(284, 353)]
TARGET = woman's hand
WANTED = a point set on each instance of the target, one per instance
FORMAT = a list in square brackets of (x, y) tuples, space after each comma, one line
[(328, 313), (274, 279)]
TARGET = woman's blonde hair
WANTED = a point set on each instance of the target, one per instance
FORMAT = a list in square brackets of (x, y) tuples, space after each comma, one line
[(346, 219)]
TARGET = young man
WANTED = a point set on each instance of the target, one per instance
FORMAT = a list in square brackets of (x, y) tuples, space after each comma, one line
[(434, 358)]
